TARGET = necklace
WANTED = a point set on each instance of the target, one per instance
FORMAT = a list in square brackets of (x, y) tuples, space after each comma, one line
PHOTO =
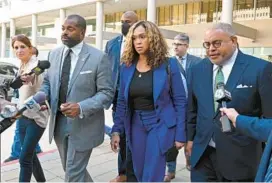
[(140, 75)]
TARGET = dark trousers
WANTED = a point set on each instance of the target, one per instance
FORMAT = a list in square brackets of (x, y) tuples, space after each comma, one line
[(30, 134), (125, 165), (207, 170)]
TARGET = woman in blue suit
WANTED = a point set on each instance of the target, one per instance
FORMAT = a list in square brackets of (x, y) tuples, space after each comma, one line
[(151, 102)]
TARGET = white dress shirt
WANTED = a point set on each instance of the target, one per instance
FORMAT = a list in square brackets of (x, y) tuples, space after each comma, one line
[(122, 46), (74, 56), (226, 69), (74, 59), (183, 64)]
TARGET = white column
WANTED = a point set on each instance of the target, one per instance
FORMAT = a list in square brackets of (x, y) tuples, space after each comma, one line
[(99, 24), (255, 8), (151, 10), (227, 7), (34, 31), (12, 33), (58, 24), (3, 40)]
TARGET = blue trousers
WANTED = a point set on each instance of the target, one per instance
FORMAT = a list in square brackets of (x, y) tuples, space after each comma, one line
[(148, 161), (16, 145), (29, 134)]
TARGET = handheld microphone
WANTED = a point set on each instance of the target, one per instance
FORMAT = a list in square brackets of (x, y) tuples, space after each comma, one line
[(32, 103), (39, 69), (223, 96)]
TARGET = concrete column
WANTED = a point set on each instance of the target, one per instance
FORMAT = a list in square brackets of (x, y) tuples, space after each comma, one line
[(12, 33), (34, 32), (58, 24), (255, 8), (227, 7), (151, 10), (3, 40), (99, 24)]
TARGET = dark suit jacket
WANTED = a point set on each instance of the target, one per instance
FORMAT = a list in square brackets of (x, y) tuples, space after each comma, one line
[(259, 129), (190, 62), (113, 49), (237, 155), (170, 113)]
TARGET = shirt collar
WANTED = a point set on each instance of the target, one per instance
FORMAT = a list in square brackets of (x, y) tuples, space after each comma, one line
[(184, 57), (76, 49), (124, 39), (230, 62)]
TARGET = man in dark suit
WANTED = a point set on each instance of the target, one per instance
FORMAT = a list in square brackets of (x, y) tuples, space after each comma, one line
[(259, 129), (218, 156), (186, 62), (114, 50)]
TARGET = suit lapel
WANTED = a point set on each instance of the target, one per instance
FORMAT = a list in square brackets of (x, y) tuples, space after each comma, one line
[(59, 68), (128, 75), (118, 49), (208, 84), (237, 71), (159, 76), (84, 54), (188, 62)]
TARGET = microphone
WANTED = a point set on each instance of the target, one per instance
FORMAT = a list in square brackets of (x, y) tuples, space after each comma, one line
[(39, 69), (223, 96), (32, 103)]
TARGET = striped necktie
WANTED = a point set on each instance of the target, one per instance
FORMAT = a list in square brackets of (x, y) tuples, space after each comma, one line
[(219, 78)]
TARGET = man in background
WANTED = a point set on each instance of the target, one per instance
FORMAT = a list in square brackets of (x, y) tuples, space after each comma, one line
[(185, 62), (114, 50)]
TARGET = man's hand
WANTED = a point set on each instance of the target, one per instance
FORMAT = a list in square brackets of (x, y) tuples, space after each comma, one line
[(179, 145), (231, 114), (70, 110), (188, 148), (115, 140)]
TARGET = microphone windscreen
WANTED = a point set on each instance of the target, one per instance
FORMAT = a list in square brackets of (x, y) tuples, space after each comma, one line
[(43, 64), (40, 97)]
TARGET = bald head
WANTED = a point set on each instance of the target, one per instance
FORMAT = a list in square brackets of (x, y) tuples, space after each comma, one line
[(131, 15), (128, 19)]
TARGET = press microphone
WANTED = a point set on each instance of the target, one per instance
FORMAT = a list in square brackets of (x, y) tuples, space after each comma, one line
[(223, 96), (39, 69), (32, 103)]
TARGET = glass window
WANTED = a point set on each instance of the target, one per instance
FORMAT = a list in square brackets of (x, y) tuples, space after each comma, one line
[(167, 15), (189, 13), (161, 16)]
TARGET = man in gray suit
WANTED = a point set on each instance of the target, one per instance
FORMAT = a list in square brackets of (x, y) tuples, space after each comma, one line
[(79, 87), (186, 62)]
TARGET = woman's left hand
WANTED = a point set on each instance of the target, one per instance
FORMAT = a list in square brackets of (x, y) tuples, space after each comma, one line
[(27, 78), (179, 145)]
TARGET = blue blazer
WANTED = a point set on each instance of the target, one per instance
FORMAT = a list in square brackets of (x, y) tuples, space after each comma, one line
[(113, 49), (250, 85), (259, 129), (169, 111)]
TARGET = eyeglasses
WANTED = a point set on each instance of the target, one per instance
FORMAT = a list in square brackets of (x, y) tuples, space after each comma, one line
[(179, 44), (215, 44)]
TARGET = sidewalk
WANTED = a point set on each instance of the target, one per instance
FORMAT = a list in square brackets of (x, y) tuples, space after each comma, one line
[(102, 166)]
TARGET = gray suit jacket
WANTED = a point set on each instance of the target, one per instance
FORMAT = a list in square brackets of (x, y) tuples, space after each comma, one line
[(91, 86)]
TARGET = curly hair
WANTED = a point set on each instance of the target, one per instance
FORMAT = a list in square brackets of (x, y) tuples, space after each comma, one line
[(158, 49)]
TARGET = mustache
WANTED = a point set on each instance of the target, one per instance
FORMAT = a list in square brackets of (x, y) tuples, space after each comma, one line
[(65, 37)]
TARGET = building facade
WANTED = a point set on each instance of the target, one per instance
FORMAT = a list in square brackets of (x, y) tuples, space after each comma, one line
[(41, 20)]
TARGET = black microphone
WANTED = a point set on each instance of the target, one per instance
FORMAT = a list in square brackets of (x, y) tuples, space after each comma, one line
[(32, 103), (39, 69), (223, 96)]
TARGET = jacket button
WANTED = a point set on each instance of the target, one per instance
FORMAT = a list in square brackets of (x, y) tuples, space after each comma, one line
[(158, 120)]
